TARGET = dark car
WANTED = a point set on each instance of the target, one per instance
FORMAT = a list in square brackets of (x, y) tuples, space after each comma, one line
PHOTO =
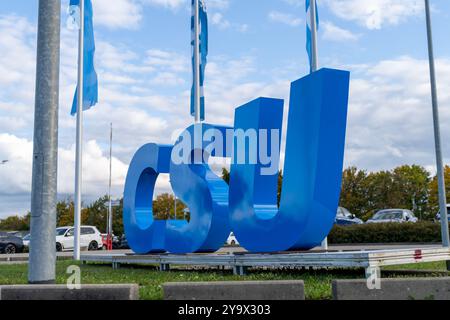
[(438, 215), (10, 244), (124, 242), (20, 234), (345, 218)]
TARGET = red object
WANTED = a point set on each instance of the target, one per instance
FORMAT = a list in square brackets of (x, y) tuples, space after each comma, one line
[(418, 255), (107, 242)]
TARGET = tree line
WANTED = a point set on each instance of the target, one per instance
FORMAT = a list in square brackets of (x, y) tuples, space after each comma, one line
[(404, 187), (363, 193), (96, 214)]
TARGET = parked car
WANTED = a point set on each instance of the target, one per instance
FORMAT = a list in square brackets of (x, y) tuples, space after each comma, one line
[(345, 218), (90, 238), (438, 215), (19, 234), (393, 215), (10, 244), (124, 242), (232, 241), (26, 240), (115, 241)]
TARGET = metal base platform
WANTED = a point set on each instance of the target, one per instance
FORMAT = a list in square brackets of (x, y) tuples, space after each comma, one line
[(241, 261)]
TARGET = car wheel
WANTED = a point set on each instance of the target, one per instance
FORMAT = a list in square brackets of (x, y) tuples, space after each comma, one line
[(93, 246), (58, 247), (10, 249)]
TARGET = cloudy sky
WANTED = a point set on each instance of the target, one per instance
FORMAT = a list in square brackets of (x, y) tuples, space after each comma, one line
[(257, 47)]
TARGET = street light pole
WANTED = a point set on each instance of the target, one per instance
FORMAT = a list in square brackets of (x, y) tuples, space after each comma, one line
[(437, 133), (41, 269)]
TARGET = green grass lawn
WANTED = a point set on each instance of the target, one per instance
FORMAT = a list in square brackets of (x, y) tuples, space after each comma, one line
[(150, 280)]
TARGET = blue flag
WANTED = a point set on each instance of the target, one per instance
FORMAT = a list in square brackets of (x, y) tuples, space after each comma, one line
[(203, 34), (90, 80), (308, 30)]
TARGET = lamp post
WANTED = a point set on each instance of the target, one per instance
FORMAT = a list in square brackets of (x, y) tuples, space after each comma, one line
[(437, 133), (42, 265)]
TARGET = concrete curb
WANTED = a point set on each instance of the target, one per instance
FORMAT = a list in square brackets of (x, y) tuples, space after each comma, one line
[(235, 290), (61, 292), (393, 289)]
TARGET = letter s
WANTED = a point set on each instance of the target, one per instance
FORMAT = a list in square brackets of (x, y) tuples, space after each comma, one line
[(201, 190)]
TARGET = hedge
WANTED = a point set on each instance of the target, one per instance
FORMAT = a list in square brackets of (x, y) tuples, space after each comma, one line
[(421, 232)]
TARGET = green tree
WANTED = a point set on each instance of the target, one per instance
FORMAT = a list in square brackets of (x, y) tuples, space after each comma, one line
[(411, 189), (16, 223), (379, 186), (354, 193), (164, 205), (64, 213), (433, 200)]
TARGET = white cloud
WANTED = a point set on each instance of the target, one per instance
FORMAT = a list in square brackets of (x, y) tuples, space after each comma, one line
[(375, 14), (169, 60), (172, 4), (218, 20), (332, 32), (285, 18), (17, 172), (390, 119), (126, 14)]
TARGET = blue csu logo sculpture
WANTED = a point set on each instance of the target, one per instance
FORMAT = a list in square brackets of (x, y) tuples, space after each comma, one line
[(313, 166)]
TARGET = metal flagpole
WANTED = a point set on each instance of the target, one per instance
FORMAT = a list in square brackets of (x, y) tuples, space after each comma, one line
[(110, 231), (41, 268), (197, 62), (437, 133), (79, 138), (315, 62), (314, 49)]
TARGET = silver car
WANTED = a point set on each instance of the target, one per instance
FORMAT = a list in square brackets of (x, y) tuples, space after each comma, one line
[(393, 215)]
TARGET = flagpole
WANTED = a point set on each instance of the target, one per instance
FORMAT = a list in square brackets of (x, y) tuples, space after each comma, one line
[(437, 133), (197, 62), (314, 49), (110, 231), (79, 138)]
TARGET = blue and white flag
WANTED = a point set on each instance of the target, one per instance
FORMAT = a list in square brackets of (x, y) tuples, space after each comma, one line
[(308, 30), (90, 80), (203, 35)]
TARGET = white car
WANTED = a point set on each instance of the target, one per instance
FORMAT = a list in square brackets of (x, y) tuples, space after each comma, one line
[(26, 240), (90, 238), (232, 241), (393, 216)]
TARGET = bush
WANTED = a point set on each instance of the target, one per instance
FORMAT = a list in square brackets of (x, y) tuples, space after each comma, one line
[(421, 232)]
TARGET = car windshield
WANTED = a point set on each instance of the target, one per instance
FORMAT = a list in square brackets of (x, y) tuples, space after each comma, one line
[(61, 231), (27, 237), (342, 212), (388, 215)]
